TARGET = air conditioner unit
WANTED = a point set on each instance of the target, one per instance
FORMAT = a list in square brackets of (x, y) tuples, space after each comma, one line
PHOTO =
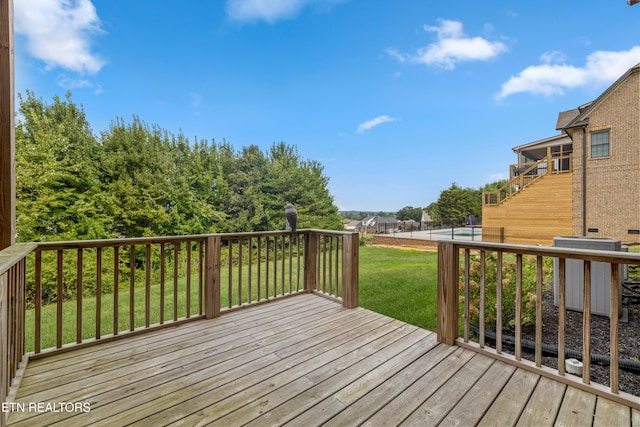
[(600, 275)]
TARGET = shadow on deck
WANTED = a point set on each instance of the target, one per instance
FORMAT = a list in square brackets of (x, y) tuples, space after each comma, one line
[(305, 361)]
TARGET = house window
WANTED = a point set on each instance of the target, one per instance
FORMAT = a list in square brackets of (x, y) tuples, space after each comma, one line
[(600, 144)]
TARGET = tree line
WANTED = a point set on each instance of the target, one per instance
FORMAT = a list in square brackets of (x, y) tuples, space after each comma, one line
[(136, 180), (452, 207)]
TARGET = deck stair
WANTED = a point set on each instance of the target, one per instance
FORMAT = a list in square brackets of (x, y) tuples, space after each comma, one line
[(523, 175)]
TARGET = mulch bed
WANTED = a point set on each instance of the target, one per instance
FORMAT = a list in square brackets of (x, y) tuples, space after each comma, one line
[(629, 339)]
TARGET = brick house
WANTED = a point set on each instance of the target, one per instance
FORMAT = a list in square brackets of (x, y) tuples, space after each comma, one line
[(583, 182)]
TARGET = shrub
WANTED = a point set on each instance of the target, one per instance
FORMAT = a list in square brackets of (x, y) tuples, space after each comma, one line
[(528, 309)]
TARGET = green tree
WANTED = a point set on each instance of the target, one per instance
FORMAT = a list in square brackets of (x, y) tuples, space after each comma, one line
[(409, 212), (434, 212), (291, 179), (203, 182), (58, 193), (493, 186), (455, 203), (137, 176), (245, 200)]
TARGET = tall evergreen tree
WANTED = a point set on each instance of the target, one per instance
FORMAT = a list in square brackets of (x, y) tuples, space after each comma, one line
[(58, 190), (136, 175), (301, 182)]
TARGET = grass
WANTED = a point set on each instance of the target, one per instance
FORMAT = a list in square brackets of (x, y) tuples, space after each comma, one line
[(400, 283)]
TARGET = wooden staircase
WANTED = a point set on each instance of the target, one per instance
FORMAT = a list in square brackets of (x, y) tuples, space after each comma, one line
[(535, 213)]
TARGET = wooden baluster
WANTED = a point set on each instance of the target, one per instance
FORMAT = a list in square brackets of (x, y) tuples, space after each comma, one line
[(586, 324), (467, 318), (336, 269), (162, 280), (539, 270), (147, 285), (201, 272), (176, 250), (331, 266), (282, 268), (499, 305), (275, 265), (614, 321), (132, 283), (249, 270), (188, 296), (518, 307), (291, 263), (298, 262), (259, 267), (59, 301), (98, 291), (562, 313), (79, 290), (481, 322), (266, 264), (239, 272), (38, 302), (116, 285), (230, 268)]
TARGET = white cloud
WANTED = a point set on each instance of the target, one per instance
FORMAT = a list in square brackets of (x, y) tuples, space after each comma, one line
[(70, 83), (58, 32), (602, 67), (452, 46), (374, 122), (553, 57), (271, 10)]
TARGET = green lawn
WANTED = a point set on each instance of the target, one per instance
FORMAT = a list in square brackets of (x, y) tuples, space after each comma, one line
[(400, 283)]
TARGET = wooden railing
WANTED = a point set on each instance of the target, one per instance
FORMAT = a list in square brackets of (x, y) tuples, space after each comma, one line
[(12, 311), (524, 174), (454, 285), (79, 293)]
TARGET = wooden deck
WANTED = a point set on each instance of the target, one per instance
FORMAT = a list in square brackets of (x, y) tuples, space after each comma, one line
[(300, 361)]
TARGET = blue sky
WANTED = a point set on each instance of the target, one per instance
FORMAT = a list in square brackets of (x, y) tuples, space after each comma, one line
[(397, 99)]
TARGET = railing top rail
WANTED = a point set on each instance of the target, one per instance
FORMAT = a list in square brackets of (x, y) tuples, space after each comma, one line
[(77, 244), (11, 255), (331, 232), (551, 251), (526, 165)]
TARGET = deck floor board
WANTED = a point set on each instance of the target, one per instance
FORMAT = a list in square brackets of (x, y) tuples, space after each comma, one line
[(299, 361)]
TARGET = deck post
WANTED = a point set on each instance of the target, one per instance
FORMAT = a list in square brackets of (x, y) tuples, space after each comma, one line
[(212, 277), (310, 261), (448, 272), (350, 270), (7, 129)]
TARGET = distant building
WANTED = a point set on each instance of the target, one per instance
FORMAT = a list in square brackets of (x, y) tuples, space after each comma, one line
[(377, 224), (425, 221), (350, 225), (408, 225)]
